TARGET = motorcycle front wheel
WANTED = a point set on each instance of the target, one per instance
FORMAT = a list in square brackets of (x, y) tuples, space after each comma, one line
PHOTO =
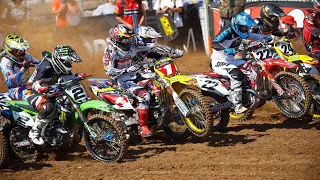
[(297, 99), (200, 120), (109, 143), (314, 85), (176, 129)]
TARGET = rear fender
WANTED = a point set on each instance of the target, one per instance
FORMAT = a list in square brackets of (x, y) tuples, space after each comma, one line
[(16, 102), (211, 84)]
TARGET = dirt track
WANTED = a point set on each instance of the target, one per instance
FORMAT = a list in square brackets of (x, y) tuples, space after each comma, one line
[(267, 147)]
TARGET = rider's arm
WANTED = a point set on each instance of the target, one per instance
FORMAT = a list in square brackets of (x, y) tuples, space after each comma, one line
[(31, 59), (7, 70), (216, 42), (43, 73), (255, 37), (109, 62)]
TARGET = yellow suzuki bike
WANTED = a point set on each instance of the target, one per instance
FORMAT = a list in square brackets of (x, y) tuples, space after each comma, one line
[(175, 106)]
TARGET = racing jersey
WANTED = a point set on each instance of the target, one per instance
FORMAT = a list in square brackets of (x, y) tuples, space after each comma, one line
[(11, 71), (115, 60)]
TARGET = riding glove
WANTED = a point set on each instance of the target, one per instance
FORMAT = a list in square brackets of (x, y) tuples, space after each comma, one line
[(230, 51)]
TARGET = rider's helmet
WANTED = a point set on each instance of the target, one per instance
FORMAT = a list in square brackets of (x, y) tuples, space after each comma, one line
[(122, 36), (316, 5), (62, 58), (241, 24), (147, 34), (270, 15), (14, 47)]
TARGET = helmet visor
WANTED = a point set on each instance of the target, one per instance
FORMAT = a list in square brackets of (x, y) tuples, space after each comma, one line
[(128, 40), (16, 52), (274, 19), (243, 29)]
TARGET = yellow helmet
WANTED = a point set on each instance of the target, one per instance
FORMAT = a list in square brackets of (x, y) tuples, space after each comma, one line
[(15, 47)]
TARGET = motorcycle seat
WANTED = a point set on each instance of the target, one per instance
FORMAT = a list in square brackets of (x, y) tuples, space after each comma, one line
[(28, 107)]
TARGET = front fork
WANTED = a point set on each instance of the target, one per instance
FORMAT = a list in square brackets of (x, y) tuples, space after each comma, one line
[(83, 118), (180, 104)]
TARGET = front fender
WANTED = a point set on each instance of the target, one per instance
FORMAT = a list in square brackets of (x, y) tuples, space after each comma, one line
[(94, 104), (272, 64)]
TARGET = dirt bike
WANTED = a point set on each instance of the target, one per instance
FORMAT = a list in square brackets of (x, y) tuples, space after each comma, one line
[(307, 67), (168, 110), (260, 75), (104, 138)]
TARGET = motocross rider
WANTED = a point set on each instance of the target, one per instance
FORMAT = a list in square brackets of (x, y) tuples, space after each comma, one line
[(224, 48), (118, 63), (15, 65), (311, 30), (146, 35), (53, 69), (269, 21)]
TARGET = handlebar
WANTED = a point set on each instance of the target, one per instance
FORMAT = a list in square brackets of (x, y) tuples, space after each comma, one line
[(56, 88)]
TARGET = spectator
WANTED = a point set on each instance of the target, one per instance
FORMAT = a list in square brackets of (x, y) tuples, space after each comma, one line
[(130, 13), (229, 8), (176, 7), (61, 7), (18, 11), (104, 9)]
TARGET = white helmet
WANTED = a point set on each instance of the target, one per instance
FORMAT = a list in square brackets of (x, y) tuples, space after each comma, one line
[(147, 34), (62, 58)]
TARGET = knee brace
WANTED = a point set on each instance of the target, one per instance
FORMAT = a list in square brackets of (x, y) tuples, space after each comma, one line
[(48, 111), (237, 74)]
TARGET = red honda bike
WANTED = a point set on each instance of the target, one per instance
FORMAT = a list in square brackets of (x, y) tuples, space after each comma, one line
[(289, 91)]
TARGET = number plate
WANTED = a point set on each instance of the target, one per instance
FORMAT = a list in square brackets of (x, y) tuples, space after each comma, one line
[(77, 93), (262, 53), (285, 48)]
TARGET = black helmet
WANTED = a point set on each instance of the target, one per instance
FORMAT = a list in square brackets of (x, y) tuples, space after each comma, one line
[(270, 15)]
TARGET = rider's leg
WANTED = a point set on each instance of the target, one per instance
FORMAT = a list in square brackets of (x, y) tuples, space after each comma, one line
[(17, 93), (143, 106), (47, 112), (225, 66), (236, 78), (143, 111)]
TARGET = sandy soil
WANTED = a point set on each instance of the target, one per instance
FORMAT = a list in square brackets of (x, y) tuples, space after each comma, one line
[(267, 147)]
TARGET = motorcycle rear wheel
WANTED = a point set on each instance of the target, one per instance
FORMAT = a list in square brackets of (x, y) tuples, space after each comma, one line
[(28, 153), (113, 137), (4, 155), (303, 87), (195, 100)]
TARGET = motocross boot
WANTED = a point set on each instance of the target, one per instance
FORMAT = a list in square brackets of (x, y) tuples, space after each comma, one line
[(143, 119), (236, 98), (35, 132)]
